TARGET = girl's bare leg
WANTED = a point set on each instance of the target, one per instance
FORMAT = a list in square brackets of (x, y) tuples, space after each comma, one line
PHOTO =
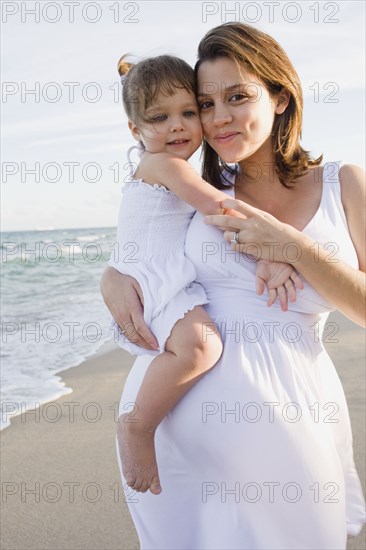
[(193, 348)]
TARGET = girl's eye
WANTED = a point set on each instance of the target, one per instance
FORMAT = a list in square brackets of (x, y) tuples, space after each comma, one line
[(158, 118), (189, 113)]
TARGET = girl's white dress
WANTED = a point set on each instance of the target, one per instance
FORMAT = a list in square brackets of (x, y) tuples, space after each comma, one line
[(258, 454), (151, 232)]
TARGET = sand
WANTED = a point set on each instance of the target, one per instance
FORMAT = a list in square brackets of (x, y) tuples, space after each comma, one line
[(60, 481)]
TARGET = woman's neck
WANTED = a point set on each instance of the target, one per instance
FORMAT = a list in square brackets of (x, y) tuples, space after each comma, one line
[(258, 171)]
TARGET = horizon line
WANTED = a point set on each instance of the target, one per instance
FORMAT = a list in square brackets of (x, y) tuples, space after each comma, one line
[(35, 230)]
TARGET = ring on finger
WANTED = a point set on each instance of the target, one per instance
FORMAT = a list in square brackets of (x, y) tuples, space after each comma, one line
[(123, 331), (235, 239)]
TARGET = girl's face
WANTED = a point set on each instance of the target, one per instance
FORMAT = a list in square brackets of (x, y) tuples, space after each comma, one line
[(236, 110), (173, 125)]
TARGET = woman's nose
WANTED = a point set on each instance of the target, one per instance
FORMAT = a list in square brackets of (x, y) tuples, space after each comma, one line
[(221, 115)]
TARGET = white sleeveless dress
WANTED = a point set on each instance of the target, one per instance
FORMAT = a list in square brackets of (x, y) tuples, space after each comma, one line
[(151, 231), (258, 454)]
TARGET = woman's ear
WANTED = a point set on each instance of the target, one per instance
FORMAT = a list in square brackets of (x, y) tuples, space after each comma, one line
[(282, 101), (134, 130)]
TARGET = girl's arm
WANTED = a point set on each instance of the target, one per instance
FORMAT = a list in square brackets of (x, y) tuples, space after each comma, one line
[(122, 293), (341, 285), (182, 179)]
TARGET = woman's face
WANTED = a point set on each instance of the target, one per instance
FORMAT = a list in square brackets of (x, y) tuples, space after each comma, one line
[(236, 110)]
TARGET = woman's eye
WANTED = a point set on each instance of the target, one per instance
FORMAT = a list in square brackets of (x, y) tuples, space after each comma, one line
[(238, 97), (205, 105)]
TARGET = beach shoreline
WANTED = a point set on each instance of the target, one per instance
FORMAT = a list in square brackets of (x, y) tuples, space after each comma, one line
[(8, 414), (61, 487)]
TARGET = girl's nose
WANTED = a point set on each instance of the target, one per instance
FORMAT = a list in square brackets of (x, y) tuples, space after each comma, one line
[(176, 125)]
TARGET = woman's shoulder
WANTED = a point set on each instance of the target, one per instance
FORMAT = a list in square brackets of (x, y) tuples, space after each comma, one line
[(348, 175), (352, 178), (353, 190), (347, 181), (353, 197)]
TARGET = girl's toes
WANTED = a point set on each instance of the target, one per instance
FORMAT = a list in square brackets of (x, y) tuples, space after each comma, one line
[(130, 480), (155, 487)]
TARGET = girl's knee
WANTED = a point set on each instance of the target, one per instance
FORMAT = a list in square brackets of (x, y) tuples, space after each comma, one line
[(206, 350)]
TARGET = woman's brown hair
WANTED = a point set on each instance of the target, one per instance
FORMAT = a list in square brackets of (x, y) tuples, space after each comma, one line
[(259, 53)]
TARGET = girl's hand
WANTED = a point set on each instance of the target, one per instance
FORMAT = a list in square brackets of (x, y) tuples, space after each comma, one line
[(259, 233), (123, 297), (281, 281)]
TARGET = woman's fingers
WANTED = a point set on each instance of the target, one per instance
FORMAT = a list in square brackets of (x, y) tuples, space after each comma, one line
[(142, 335), (245, 209), (136, 331), (231, 212), (234, 221), (230, 235), (123, 297), (137, 287), (224, 222), (145, 337)]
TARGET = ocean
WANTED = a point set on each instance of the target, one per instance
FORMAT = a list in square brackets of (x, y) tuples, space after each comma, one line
[(52, 313)]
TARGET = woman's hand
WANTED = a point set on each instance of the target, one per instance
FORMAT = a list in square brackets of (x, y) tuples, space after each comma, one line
[(266, 238), (259, 233), (123, 297)]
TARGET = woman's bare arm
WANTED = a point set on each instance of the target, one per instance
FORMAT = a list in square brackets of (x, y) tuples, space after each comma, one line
[(341, 285)]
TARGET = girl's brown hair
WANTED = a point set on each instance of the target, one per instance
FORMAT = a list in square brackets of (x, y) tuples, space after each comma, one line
[(142, 82), (260, 54)]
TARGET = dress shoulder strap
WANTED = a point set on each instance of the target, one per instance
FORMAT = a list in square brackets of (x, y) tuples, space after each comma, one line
[(331, 172), (332, 196)]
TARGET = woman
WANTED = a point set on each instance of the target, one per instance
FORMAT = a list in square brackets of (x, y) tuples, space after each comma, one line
[(258, 455)]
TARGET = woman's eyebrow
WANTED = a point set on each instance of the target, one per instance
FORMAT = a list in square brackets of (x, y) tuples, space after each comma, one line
[(233, 86), (214, 88)]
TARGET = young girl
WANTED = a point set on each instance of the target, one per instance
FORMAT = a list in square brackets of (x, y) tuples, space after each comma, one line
[(157, 206)]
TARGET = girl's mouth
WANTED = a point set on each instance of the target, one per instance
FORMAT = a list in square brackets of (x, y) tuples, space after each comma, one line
[(178, 142)]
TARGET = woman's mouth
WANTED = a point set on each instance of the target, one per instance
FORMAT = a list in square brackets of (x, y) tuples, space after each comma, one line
[(226, 137)]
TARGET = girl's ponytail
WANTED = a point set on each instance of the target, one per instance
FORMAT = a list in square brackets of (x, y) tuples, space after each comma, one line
[(124, 66)]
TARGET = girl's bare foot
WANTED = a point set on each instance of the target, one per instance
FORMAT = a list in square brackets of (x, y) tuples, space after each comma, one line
[(137, 452)]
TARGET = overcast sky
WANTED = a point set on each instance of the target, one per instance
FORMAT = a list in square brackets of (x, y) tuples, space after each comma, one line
[(72, 131)]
